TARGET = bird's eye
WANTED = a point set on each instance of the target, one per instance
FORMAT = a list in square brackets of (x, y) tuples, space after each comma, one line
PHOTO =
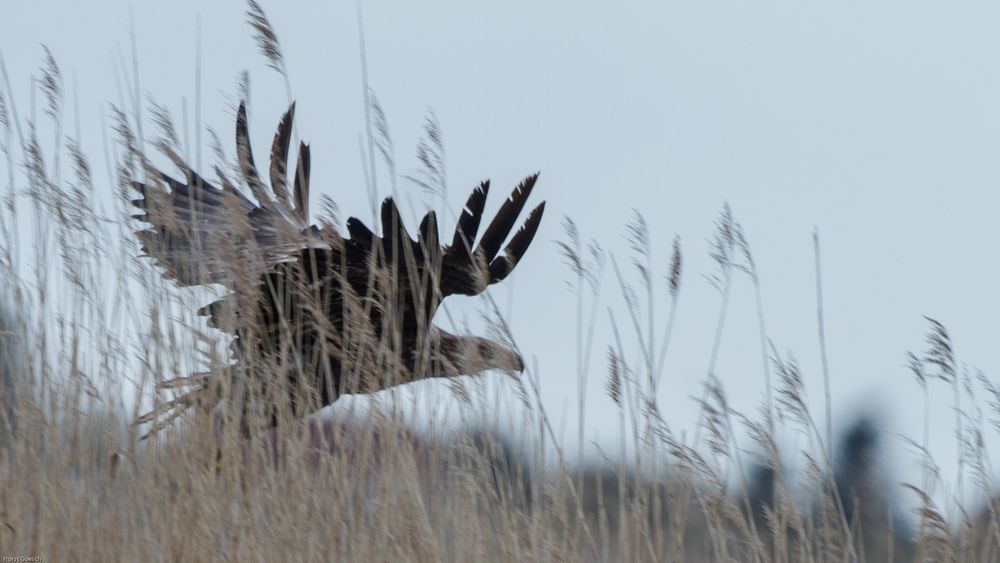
[(484, 350)]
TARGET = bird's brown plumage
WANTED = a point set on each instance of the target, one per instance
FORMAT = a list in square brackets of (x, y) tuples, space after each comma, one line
[(331, 314)]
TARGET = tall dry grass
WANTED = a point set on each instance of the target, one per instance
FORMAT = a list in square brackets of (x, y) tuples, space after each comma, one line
[(90, 329)]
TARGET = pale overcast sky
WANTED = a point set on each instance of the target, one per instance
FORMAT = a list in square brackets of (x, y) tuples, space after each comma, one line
[(879, 124)]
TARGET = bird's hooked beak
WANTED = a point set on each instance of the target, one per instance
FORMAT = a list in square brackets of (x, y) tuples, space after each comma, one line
[(518, 363), (498, 356)]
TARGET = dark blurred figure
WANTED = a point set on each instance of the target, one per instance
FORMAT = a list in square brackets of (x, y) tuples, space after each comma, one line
[(863, 488), (761, 490), (857, 471)]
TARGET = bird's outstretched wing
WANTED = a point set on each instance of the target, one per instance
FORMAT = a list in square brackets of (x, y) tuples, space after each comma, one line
[(425, 271), (202, 234), (468, 268)]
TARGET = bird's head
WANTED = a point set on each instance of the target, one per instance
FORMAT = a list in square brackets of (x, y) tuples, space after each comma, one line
[(472, 355), (492, 355)]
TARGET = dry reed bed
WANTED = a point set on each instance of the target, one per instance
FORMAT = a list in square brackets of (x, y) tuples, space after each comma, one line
[(88, 323)]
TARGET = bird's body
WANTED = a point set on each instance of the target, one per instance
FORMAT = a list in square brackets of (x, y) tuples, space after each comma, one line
[(317, 314)]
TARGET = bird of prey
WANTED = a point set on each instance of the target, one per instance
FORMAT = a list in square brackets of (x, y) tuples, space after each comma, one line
[(317, 313)]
